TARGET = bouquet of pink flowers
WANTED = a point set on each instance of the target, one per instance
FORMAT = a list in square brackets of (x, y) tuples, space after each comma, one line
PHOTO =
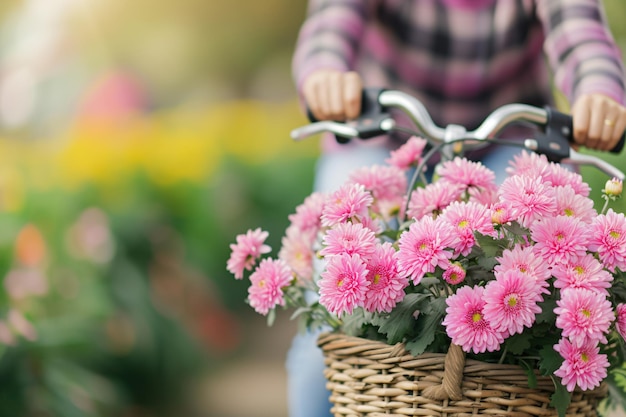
[(528, 272)]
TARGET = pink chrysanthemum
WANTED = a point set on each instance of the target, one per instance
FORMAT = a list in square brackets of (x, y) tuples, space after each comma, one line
[(467, 173), (386, 288), (560, 239), (584, 315), (432, 199), (308, 214), (244, 254), (297, 251), (620, 319), (530, 164), (524, 260), (527, 198), (267, 283), (465, 322), (570, 204), (467, 218), (384, 182), (584, 272), (483, 196), (425, 246), (608, 239), (408, 155), (454, 273), (349, 202), (350, 238), (511, 302), (343, 284), (557, 175), (584, 366), (501, 213)]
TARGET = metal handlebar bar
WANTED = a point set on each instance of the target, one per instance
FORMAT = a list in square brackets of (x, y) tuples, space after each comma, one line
[(376, 121)]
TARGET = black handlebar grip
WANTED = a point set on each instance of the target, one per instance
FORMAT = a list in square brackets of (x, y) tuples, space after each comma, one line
[(561, 124)]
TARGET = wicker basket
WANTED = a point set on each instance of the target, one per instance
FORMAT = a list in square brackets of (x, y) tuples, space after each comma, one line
[(369, 378)]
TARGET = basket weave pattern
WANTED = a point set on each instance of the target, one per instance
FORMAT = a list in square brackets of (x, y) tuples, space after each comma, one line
[(370, 378)]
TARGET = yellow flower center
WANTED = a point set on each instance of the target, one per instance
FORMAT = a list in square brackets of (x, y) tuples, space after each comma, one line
[(579, 270), (586, 312), (584, 357), (339, 283), (262, 283), (476, 317), (512, 301), (376, 279), (614, 234), (463, 224), (568, 212), (559, 236)]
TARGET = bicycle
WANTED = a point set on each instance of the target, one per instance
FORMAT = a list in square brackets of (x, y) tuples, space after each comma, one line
[(375, 120)]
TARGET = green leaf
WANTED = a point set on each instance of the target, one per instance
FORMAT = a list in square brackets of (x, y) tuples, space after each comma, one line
[(353, 323), (490, 246), (400, 321), (561, 397), (547, 311), (549, 360), (516, 229), (427, 325), (518, 343)]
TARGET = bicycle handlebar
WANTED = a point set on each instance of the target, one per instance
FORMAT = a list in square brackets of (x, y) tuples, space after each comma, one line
[(375, 121)]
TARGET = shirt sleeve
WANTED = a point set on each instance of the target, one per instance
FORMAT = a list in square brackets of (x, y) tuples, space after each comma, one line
[(580, 48), (329, 37)]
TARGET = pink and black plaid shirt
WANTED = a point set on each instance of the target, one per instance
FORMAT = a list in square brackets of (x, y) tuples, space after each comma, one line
[(463, 58)]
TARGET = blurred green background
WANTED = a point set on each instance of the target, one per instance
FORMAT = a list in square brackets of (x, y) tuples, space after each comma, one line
[(136, 140)]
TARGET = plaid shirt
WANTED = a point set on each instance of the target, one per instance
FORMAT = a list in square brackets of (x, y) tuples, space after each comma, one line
[(463, 58)]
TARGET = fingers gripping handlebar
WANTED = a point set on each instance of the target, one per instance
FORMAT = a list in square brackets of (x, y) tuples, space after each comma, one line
[(554, 140)]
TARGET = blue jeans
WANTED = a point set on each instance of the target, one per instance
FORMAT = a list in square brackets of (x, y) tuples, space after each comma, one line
[(307, 393)]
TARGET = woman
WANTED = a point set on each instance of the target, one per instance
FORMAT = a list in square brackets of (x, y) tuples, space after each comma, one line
[(462, 59)]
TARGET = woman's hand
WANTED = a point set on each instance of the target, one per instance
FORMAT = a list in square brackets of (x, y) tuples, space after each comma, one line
[(333, 95), (599, 121)]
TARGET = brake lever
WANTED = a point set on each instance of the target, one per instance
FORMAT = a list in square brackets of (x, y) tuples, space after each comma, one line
[(558, 150)]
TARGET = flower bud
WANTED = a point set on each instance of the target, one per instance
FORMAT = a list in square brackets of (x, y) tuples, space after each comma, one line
[(613, 187)]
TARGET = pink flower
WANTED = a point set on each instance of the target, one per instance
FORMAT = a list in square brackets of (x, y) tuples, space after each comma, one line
[(467, 173), (530, 164), (620, 322), (608, 239), (268, 281), (524, 260), (408, 155), (501, 213), (384, 182), (557, 175), (432, 199), (583, 315), (465, 322), (583, 272), (350, 238), (425, 246), (528, 198), (466, 219), (560, 239), (511, 302), (343, 285), (308, 214), (246, 251), (454, 274), (570, 204), (349, 202), (297, 251), (386, 287), (584, 366)]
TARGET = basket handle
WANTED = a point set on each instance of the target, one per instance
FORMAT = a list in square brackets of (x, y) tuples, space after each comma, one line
[(450, 387)]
